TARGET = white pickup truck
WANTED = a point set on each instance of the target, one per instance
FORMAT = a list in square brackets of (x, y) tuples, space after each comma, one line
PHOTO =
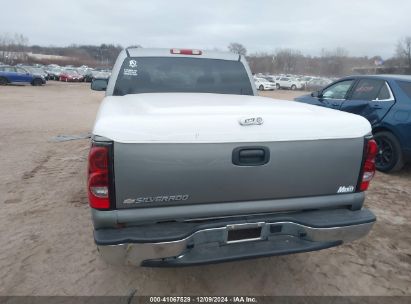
[(188, 166)]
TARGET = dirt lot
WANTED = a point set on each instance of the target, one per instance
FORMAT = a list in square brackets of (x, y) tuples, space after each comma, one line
[(46, 238)]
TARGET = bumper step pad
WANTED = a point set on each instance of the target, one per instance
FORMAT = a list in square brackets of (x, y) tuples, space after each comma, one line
[(279, 245)]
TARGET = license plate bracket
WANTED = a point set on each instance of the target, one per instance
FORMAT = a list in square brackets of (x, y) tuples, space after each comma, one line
[(243, 233)]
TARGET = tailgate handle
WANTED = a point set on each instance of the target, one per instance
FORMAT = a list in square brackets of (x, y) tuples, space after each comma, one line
[(251, 156)]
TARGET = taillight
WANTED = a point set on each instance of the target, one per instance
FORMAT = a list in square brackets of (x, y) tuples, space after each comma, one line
[(98, 181), (185, 52), (368, 169)]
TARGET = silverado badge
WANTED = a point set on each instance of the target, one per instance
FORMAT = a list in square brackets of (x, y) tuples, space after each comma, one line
[(157, 199)]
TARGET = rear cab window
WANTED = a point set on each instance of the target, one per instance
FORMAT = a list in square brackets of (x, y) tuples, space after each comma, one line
[(184, 75)]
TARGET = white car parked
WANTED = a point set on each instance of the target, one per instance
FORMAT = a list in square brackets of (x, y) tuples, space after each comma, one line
[(263, 84), (288, 83)]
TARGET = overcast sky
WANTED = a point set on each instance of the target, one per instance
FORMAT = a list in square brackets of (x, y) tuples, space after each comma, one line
[(363, 27)]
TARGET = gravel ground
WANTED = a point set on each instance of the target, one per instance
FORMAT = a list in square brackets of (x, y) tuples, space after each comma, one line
[(46, 238)]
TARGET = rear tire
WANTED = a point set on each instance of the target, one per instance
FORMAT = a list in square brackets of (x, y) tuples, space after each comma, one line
[(277, 86), (261, 88), (3, 81), (293, 87), (37, 82), (389, 157)]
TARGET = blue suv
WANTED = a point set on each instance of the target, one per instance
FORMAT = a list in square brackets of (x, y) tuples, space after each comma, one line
[(385, 100), (11, 74)]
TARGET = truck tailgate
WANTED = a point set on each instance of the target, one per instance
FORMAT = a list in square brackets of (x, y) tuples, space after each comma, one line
[(162, 174)]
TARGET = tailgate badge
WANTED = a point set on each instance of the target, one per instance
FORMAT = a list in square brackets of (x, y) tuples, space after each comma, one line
[(157, 199), (346, 189), (248, 121)]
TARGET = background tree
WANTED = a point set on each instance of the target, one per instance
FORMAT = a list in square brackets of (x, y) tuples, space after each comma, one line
[(237, 48), (286, 60), (13, 48), (404, 51), (335, 62)]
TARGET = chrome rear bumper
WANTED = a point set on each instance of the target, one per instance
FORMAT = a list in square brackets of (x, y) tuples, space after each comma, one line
[(300, 237)]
